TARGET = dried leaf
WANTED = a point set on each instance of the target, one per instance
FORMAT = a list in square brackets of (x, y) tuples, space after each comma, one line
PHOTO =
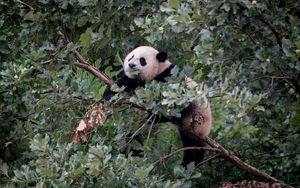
[(93, 117)]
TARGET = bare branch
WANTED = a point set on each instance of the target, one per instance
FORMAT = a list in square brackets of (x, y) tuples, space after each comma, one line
[(277, 35), (253, 184), (136, 132), (184, 149), (292, 82), (95, 72), (150, 129), (208, 159), (238, 162), (271, 77), (25, 4), (84, 65)]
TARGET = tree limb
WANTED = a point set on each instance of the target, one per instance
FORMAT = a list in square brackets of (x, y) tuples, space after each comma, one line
[(95, 72), (215, 146), (277, 35), (208, 159), (25, 4), (84, 65), (184, 149), (238, 162)]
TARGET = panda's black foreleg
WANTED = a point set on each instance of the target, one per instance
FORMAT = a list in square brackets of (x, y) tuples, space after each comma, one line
[(108, 94), (129, 84), (189, 156)]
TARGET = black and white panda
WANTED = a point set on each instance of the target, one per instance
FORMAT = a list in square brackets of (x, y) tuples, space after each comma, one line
[(145, 63)]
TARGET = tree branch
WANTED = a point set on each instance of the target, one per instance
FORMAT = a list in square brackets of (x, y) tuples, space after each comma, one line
[(95, 72), (208, 159), (184, 149), (25, 4), (277, 35), (84, 65), (215, 146), (136, 132), (238, 162)]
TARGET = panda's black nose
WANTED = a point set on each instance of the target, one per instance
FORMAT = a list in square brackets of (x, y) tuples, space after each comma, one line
[(131, 65)]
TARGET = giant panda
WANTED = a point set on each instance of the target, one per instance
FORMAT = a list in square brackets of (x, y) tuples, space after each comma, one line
[(145, 63)]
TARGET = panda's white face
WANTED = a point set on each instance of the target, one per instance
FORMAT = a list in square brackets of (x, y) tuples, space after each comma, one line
[(142, 63)]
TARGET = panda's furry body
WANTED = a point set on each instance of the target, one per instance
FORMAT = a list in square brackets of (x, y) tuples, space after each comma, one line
[(149, 64)]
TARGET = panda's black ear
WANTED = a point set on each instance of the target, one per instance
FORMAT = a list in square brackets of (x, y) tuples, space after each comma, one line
[(136, 45), (162, 56)]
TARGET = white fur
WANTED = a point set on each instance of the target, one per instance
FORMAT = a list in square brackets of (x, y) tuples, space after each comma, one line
[(151, 69)]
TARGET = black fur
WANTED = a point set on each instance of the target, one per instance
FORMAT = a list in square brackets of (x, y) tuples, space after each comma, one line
[(161, 77), (195, 156), (131, 58), (129, 84), (143, 61), (162, 56)]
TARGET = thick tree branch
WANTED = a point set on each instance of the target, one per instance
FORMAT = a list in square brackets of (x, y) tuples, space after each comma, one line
[(215, 146), (95, 72), (277, 35), (238, 162), (84, 65)]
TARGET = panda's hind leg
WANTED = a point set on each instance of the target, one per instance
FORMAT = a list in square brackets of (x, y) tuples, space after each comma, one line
[(189, 156)]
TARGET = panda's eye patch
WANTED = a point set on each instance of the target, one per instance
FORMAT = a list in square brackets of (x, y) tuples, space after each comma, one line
[(131, 58), (143, 61)]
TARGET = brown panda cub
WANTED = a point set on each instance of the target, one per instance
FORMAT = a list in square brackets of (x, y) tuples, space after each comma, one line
[(145, 63)]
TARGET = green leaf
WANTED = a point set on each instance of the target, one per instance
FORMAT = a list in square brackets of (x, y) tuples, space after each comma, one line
[(38, 143), (30, 16), (173, 4), (4, 169), (85, 38)]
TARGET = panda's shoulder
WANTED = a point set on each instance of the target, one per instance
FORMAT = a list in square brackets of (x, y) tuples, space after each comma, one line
[(164, 74)]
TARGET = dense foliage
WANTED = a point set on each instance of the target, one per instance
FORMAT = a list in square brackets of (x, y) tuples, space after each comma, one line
[(245, 53)]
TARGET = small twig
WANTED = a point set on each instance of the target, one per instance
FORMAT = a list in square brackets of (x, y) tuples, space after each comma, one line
[(292, 82), (25, 4), (271, 77), (149, 132), (184, 149), (46, 62), (136, 132), (141, 127), (208, 159)]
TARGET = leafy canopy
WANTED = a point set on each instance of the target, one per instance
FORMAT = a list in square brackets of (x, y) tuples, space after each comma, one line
[(246, 53)]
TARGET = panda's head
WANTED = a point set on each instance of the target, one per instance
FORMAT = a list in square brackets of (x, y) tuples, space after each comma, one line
[(145, 63)]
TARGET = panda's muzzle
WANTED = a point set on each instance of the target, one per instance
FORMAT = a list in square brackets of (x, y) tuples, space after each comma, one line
[(131, 65)]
